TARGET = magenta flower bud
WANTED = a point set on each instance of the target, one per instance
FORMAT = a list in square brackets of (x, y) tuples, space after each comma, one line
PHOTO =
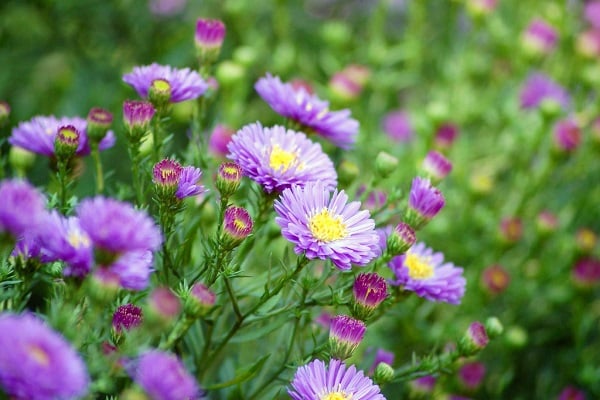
[(199, 300), (4, 113), (445, 135), (571, 392), (229, 178), (345, 334), (166, 173), (495, 279), (474, 340), (219, 139), (398, 127), (586, 272), (237, 225), (541, 91), (163, 306), (588, 43), (567, 135), (127, 316), (137, 116), (511, 229), (400, 239), (347, 84), (539, 38), (209, 37), (591, 13), (471, 375), (98, 123), (546, 222), (66, 142), (436, 166), (369, 290), (423, 385), (424, 203)]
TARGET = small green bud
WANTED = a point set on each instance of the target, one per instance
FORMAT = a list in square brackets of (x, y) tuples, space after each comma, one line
[(493, 327), (384, 373), (385, 164)]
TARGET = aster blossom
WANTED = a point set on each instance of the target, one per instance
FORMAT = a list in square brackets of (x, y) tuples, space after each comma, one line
[(424, 272), (163, 377), (277, 158), (309, 111), (39, 134), (37, 363), (184, 84), (22, 207), (322, 224), (425, 202), (540, 88), (316, 380)]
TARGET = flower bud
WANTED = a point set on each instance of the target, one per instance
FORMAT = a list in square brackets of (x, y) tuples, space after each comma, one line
[(20, 159), (369, 291), (229, 178), (127, 316), (345, 334), (586, 272), (567, 136), (199, 300), (493, 327), (137, 116), (385, 164), (98, 123), (445, 136), (208, 39), (219, 139), (237, 225), (539, 38), (585, 239), (159, 95), (516, 336), (165, 175), (398, 127), (546, 222), (384, 373), (495, 279), (4, 113), (66, 142), (471, 375), (423, 386), (400, 239), (348, 172), (511, 230), (474, 340), (162, 308), (436, 166), (425, 202)]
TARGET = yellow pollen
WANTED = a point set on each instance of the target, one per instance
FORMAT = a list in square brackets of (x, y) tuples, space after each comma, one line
[(239, 223), (168, 173), (336, 396), (38, 354), (232, 170), (161, 85), (327, 228), (77, 239), (281, 159), (418, 268), (68, 134)]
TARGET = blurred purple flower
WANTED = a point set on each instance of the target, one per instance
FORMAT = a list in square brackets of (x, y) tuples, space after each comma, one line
[(219, 139), (586, 271), (22, 207), (591, 13), (381, 356), (567, 135), (540, 88), (308, 110), (127, 316), (398, 127), (571, 392), (185, 84), (166, 7), (540, 37), (471, 374)]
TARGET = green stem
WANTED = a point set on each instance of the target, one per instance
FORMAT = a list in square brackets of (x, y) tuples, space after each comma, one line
[(134, 155), (98, 165), (180, 329), (63, 183)]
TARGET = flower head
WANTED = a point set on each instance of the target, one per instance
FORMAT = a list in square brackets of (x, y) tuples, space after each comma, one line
[(172, 179), (571, 392), (117, 227), (163, 306), (166, 173), (423, 385), (540, 37), (219, 139), (436, 165), (209, 33), (369, 291), (540, 88), (277, 158), (127, 316), (586, 271), (37, 363), (22, 207), (133, 269), (189, 183), (495, 279), (471, 374), (38, 135), (98, 122), (345, 334), (425, 202), (474, 340), (237, 225), (164, 377), (137, 116), (400, 239), (424, 272), (324, 225), (229, 177), (445, 135), (397, 126), (567, 135), (199, 300), (184, 84), (308, 110), (316, 380)]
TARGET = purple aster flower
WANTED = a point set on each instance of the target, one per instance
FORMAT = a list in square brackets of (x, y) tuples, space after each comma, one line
[(369, 291), (277, 158), (22, 207), (27, 247), (210, 34), (126, 316), (133, 268), (37, 363), (424, 203), (163, 377), (397, 126), (117, 227), (167, 7), (39, 134), (436, 165), (184, 84), (336, 381), (424, 272), (188, 183), (423, 385), (173, 179), (567, 135), (63, 239), (540, 37), (382, 356), (471, 374), (540, 88), (309, 111), (324, 225), (495, 279), (592, 13), (345, 334), (219, 139)]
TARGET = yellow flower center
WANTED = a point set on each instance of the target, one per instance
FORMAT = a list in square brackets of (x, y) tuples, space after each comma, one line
[(326, 227), (68, 134), (239, 223), (38, 354), (78, 239), (168, 173), (161, 85), (336, 396), (418, 268), (281, 159)]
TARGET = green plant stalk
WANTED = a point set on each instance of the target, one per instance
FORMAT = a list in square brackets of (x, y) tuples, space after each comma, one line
[(63, 184), (98, 165), (138, 187)]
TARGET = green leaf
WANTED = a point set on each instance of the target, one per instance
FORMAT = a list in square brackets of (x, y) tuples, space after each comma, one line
[(241, 375)]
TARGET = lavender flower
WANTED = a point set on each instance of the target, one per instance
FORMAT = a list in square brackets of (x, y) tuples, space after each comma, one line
[(37, 363), (424, 203), (345, 334), (133, 269), (445, 135), (423, 385), (309, 111), (571, 392), (424, 272), (184, 84), (397, 126), (436, 165), (163, 377), (586, 272), (117, 227), (277, 158), (540, 37), (22, 207), (137, 116), (173, 179), (567, 135), (219, 139), (323, 225), (471, 374), (591, 13), (188, 183), (38, 135), (540, 88), (319, 381), (126, 316)]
